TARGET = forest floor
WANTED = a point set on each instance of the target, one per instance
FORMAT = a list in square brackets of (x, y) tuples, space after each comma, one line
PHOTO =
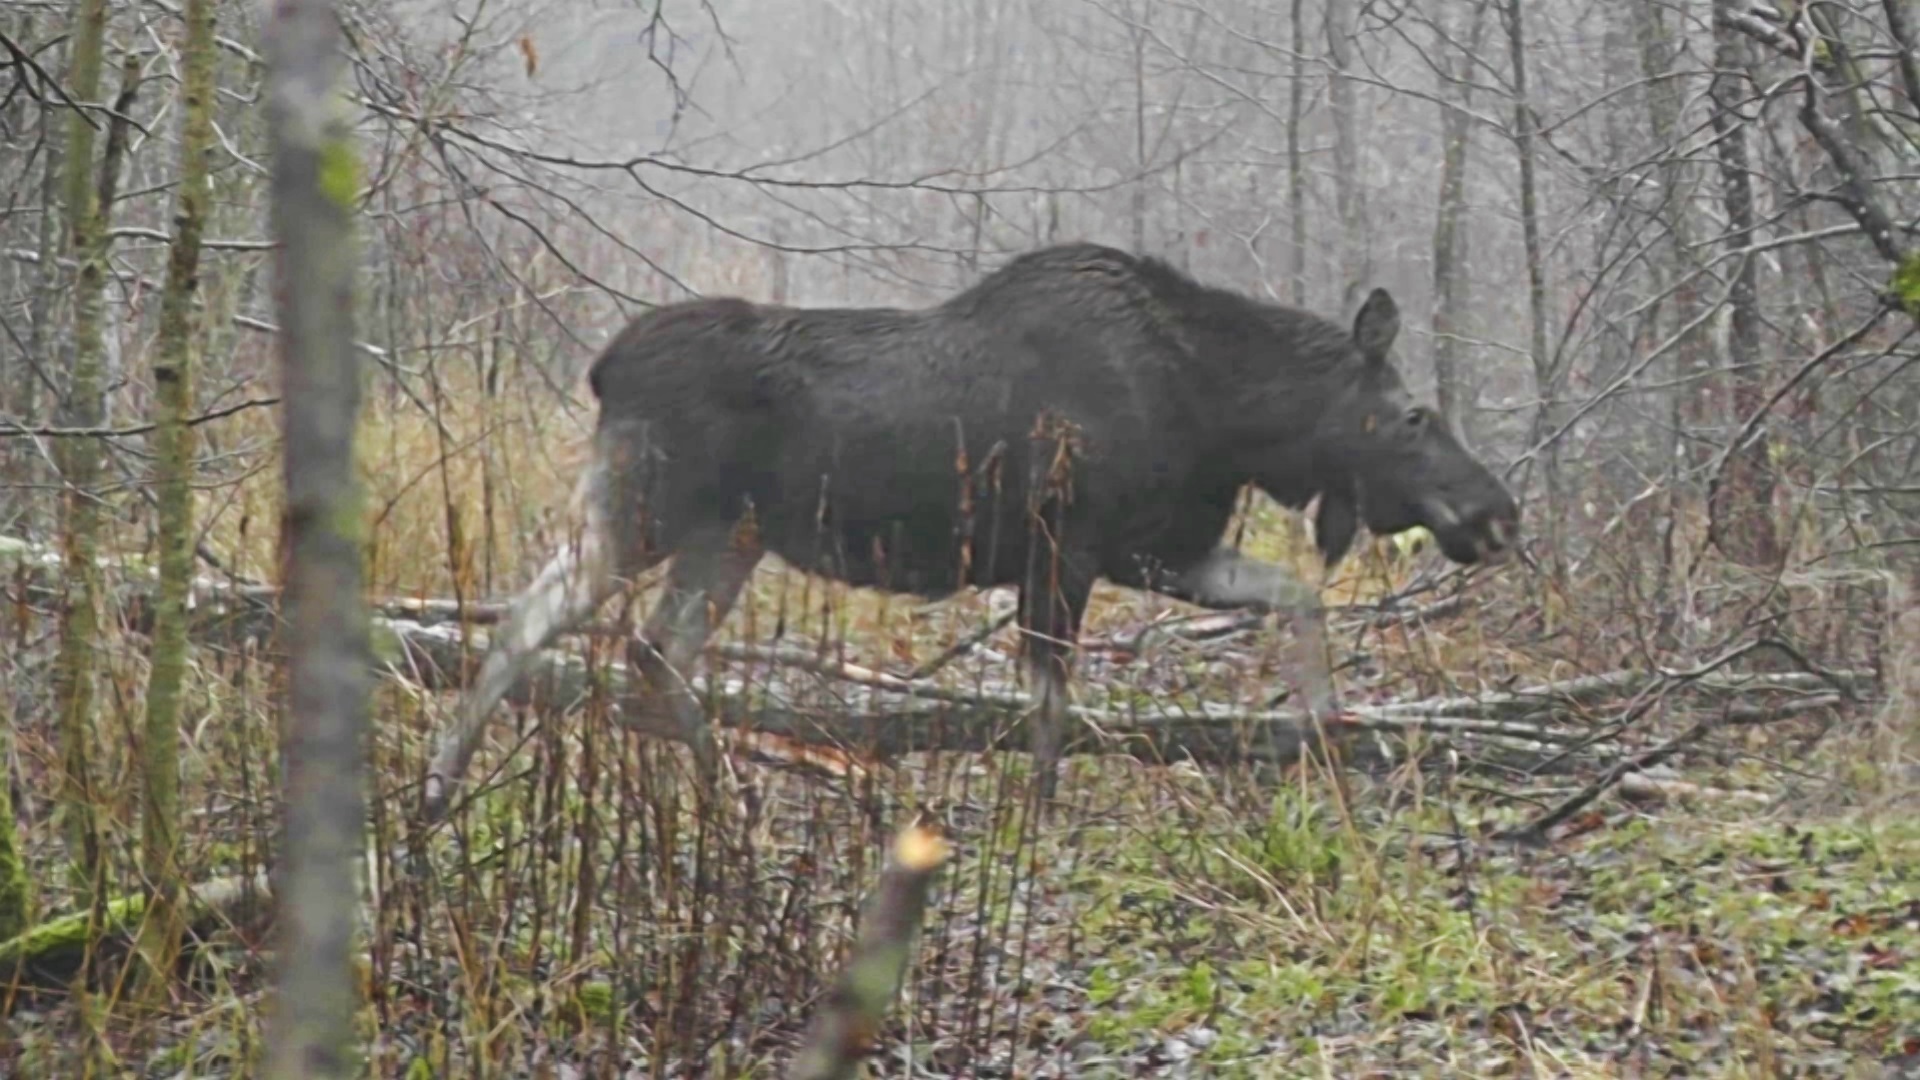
[(1171, 920), (1655, 942)]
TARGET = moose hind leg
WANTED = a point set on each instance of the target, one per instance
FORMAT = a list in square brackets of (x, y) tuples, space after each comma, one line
[(702, 585), (575, 581)]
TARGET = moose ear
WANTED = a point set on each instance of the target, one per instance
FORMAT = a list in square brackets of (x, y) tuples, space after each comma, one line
[(1335, 526), (1377, 325)]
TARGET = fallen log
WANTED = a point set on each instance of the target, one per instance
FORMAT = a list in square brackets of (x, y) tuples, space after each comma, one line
[(879, 715), (870, 712), (47, 955), (1560, 697)]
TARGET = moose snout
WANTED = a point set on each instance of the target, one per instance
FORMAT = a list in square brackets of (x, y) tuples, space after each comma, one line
[(1494, 530), (1499, 535), (1483, 532)]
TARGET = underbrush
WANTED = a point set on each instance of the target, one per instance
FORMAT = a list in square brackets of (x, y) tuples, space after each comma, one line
[(1668, 944), (583, 913)]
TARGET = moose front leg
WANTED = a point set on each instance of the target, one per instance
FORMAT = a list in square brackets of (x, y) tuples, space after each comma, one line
[(1225, 578)]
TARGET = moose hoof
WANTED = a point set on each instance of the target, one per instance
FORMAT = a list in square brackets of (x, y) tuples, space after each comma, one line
[(434, 798)]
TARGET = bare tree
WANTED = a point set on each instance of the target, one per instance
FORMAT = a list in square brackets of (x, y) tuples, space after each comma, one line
[(1741, 510), (1681, 272), (1349, 195), (1546, 423), (1450, 241), (79, 459), (315, 188), (173, 373), (1296, 164)]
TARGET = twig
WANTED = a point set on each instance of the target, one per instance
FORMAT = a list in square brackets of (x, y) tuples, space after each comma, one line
[(1758, 26), (1394, 616), (1535, 831), (20, 431), (1856, 193), (47, 81), (1638, 785), (960, 648), (1589, 689)]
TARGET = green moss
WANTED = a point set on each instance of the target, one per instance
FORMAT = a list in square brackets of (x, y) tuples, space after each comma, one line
[(16, 887), (59, 936), (1906, 285), (595, 1001), (340, 172), (418, 1069)]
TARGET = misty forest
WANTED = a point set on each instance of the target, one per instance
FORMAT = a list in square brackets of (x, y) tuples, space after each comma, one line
[(1565, 720)]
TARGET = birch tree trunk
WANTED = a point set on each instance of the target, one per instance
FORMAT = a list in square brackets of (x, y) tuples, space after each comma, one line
[(174, 444), (315, 185), (79, 460)]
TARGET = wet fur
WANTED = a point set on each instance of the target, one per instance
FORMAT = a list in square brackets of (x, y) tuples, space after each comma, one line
[(845, 430)]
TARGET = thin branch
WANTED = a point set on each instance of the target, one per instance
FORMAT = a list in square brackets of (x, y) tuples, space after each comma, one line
[(49, 432), (1535, 831), (1856, 194), (25, 59)]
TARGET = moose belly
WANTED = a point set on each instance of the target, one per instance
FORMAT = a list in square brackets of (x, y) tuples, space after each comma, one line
[(900, 555)]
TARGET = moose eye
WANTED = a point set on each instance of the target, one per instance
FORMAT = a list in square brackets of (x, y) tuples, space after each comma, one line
[(1416, 417)]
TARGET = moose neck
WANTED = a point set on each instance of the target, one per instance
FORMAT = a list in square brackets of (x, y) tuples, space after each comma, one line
[(1269, 376)]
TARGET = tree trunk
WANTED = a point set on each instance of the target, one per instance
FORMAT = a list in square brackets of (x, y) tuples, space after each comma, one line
[(315, 185), (1139, 191), (1450, 284), (1692, 368), (79, 460), (1546, 418), (16, 887), (1740, 503), (1349, 199), (174, 442), (1296, 167), (20, 459)]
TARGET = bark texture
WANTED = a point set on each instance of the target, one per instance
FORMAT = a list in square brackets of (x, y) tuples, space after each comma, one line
[(315, 186), (174, 443)]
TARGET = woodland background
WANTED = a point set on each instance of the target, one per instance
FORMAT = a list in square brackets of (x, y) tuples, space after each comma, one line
[(1640, 805)]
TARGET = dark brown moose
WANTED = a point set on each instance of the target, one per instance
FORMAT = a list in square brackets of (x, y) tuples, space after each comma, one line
[(1080, 413)]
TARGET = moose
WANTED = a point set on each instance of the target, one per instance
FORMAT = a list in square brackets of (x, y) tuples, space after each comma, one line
[(1080, 413)]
